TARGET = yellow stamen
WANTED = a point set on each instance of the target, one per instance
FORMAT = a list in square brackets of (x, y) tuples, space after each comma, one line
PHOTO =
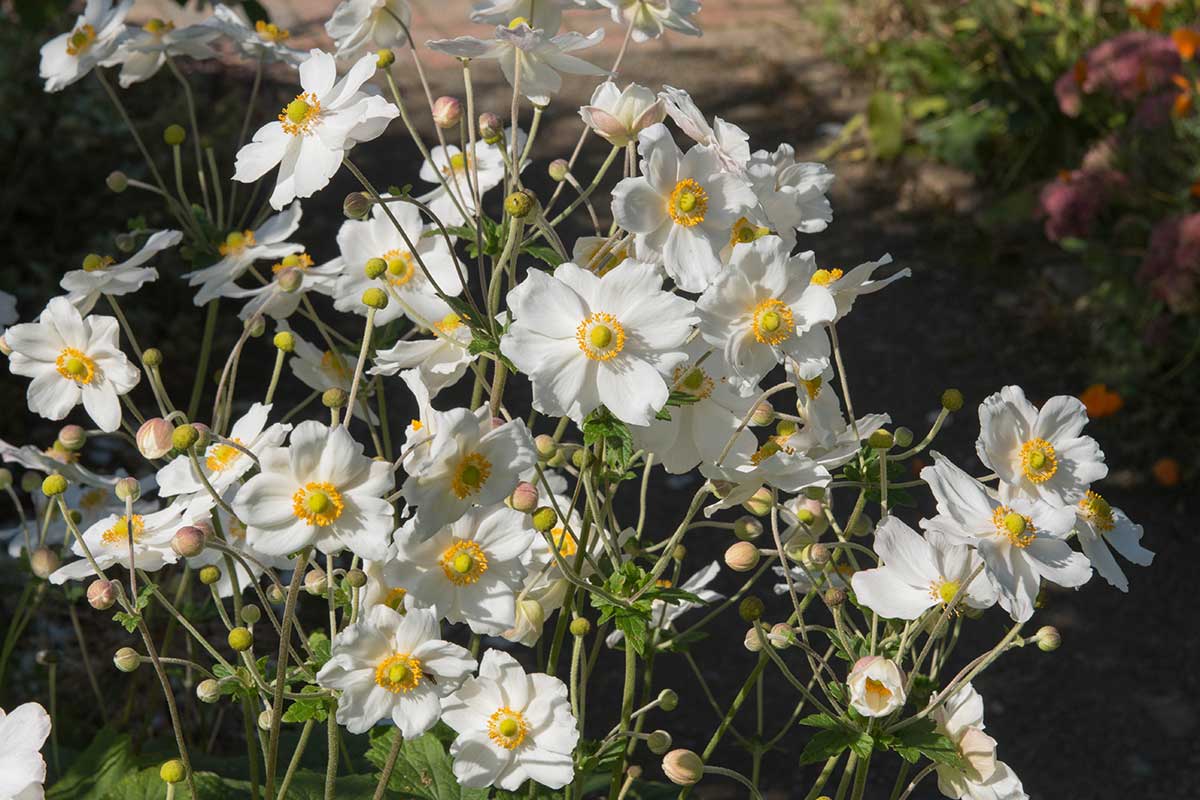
[(294, 261), (80, 40), (119, 533), (299, 116), (158, 27), (236, 242), (317, 504), (877, 693), (1038, 460), (75, 365), (220, 456), (399, 673), (470, 476), (600, 336), (400, 267), (565, 543), (824, 277), (270, 32), (688, 203), (1097, 511), (394, 599), (694, 381), (1018, 529), (745, 232), (943, 590), (507, 728), (463, 562), (772, 322), (334, 364)]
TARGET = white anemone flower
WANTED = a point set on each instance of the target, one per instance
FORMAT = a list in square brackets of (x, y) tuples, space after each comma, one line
[(1020, 540), (413, 293), (698, 431), (142, 53), (791, 193), (651, 18), (255, 561), (586, 340), (512, 727), (320, 370), (108, 541), (619, 115), (826, 436), (396, 666), (982, 776), (98, 32), (1040, 453), (91, 503), (876, 686), (846, 287), (316, 130), (265, 41), (773, 464), (56, 459), (543, 14), (420, 432), (469, 571), (23, 731), (72, 360), (664, 614), (291, 277), (465, 467), (918, 573), (438, 362), (360, 25), (761, 311), (241, 249), (530, 58), (682, 208), (730, 143), (101, 275), (320, 490), (480, 169), (1100, 527)]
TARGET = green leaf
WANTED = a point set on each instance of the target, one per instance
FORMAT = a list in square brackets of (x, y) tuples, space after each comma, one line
[(885, 125), (830, 743), (99, 766), (543, 253), (601, 427), (923, 739), (319, 642), (128, 621), (316, 708), (423, 770), (822, 721), (145, 784)]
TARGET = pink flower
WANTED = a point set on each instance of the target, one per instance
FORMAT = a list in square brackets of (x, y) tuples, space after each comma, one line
[(1171, 265), (1071, 204), (1129, 66)]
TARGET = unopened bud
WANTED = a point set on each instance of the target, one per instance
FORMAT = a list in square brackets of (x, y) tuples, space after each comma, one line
[(356, 578), (357, 205), (43, 561), (314, 581), (290, 280), (174, 135), (6, 478), (559, 169), (580, 626), (184, 436), (764, 414), (128, 489), (240, 639), (881, 440), (742, 557), (524, 498), (781, 636), (334, 398), (679, 553), (256, 326), (155, 438), (580, 458), (861, 527), (375, 298), (117, 181), (747, 529), (759, 503), (658, 742), (490, 127), (534, 612), (172, 771), (819, 554), (1048, 639), (30, 482), (544, 519), (126, 659), (447, 112), (903, 437), (188, 541), (545, 445), (384, 58), (101, 594), (276, 594), (126, 242), (952, 400), (752, 641), (210, 574), (152, 357), (251, 613), (751, 609), (72, 437), (683, 767), (518, 204), (208, 691), (834, 596), (668, 700), (54, 485)]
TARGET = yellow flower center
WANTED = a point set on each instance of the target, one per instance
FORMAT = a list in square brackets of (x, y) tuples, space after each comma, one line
[(600, 336), (394, 599), (1097, 511), (158, 27), (270, 32), (694, 381), (80, 40), (220, 456), (517, 22), (1038, 460), (507, 728), (688, 203), (812, 387), (119, 533), (400, 267), (450, 323), (75, 365), (458, 164), (1018, 529), (470, 475), (294, 261), (399, 673), (334, 364), (877, 693), (770, 447), (94, 262), (299, 116), (824, 277), (463, 562), (236, 242), (772, 322), (744, 232), (565, 543), (317, 504), (943, 590)]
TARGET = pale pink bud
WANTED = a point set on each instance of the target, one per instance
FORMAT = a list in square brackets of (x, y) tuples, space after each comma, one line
[(154, 437), (447, 112), (188, 541), (524, 498), (72, 437), (101, 595)]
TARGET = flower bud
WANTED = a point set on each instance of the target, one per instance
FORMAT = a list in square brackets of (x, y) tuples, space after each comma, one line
[(290, 280), (357, 205), (533, 612), (172, 771), (834, 596), (128, 489), (524, 498), (256, 326), (54, 485), (580, 626), (30, 482), (683, 767), (208, 691), (264, 720), (818, 554), (174, 135), (334, 398), (126, 242), (862, 526), (447, 112), (903, 437), (6, 479), (240, 639), (356, 578), (764, 414), (72, 437), (658, 742), (375, 298), (251, 613), (117, 181), (152, 357), (43, 561), (559, 169), (314, 581), (276, 594), (668, 700), (544, 519), (876, 686), (759, 503), (881, 440), (580, 458), (155, 438), (210, 574), (751, 609), (747, 529), (188, 541), (781, 636), (679, 553), (742, 557), (101, 594), (1048, 639), (384, 58), (952, 400), (184, 436), (518, 204), (545, 445), (490, 127), (752, 641), (126, 659)]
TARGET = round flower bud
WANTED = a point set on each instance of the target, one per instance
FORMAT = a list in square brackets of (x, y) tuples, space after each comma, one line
[(72, 437), (54, 485), (786, 428), (862, 526), (155, 438), (384, 58), (544, 519), (285, 341), (275, 594), (188, 541), (128, 489), (759, 503), (559, 169), (747, 529), (172, 771), (256, 325), (210, 574), (374, 268), (251, 613), (264, 720), (117, 181), (1048, 639), (533, 612), (101, 594), (30, 482), (764, 414), (375, 298), (742, 557), (174, 135), (952, 400), (334, 398), (751, 609), (545, 445), (579, 458), (818, 554), (152, 357), (126, 242), (356, 578), (658, 742), (834, 596), (290, 280), (781, 636), (184, 436), (903, 437), (357, 205), (518, 204), (524, 498), (683, 767), (126, 659), (240, 639), (881, 440), (752, 641), (6, 479), (668, 700), (314, 581), (490, 127), (43, 561), (580, 626), (447, 112), (679, 553), (208, 691)]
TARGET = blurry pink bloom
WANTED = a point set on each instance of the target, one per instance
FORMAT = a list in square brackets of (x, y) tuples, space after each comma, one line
[(1172, 263), (1129, 66), (1071, 204)]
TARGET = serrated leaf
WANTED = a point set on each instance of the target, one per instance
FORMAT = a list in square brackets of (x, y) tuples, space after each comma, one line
[(827, 744), (423, 769), (922, 738), (543, 253), (146, 784), (822, 721)]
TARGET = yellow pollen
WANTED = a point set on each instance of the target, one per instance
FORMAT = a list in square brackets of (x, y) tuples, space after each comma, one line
[(334, 364), (394, 599), (877, 693), (450, 323), (1018, 529), (745, 232), (294, 261), (458, 163), (517, 22), (471, 475), (769, 448), (1038, 460), (416, 424), (400, 267), (688, 203), (664, 583), (270, 32), (158, 26), (399, 673), (463, 562), (812, 387), (75, 365), (119, 534), (94, 262), (222, 455), (824, 277), (694, 381), (299, 116), (317, 504), (600, 336), (507, 728), (236, 242), (943, 590), (1097, 511), (565, 543), (81, 39), (772, 322)]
